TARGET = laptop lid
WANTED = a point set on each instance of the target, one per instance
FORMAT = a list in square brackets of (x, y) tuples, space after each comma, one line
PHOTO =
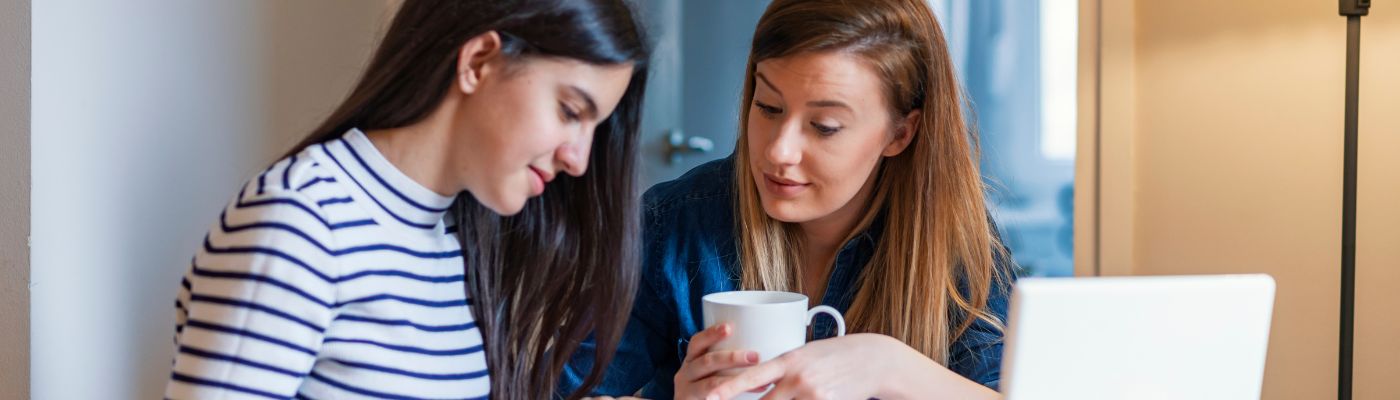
[(1169, 337)]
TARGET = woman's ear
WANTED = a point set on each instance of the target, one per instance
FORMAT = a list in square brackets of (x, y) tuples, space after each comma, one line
[(476, 60), (903, 134)]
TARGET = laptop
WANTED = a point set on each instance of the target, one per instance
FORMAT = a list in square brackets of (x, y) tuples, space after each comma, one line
[(1169, 337)]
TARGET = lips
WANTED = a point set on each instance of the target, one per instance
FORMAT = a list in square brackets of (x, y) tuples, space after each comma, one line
[(538, 179), (782, 187), (781, 181), (546, 177)]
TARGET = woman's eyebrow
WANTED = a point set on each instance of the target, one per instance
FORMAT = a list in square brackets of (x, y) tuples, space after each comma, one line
[(770, 85), (828, 103)]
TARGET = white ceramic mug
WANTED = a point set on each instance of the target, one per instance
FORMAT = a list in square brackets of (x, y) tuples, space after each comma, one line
[(767, 322), (770, 323)]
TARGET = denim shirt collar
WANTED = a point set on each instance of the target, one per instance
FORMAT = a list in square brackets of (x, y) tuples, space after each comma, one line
[(846, 273)]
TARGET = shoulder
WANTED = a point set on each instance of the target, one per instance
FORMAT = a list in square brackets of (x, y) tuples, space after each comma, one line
[(711, 183), (695, 209), (688, 228), (1005, 268), (270, 223), (689, 247), (282, 197)]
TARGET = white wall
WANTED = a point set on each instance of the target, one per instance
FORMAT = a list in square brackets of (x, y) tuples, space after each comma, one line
[(1221, 152), (14, 199), (147, 114)]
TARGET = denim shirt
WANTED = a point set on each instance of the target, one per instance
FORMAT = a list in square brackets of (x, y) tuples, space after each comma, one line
[(689, 251)]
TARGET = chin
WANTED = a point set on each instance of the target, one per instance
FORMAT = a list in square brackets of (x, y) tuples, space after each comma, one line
[(503, 205), (787, 211)]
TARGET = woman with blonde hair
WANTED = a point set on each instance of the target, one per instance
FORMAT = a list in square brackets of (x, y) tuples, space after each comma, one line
[(854, 181)]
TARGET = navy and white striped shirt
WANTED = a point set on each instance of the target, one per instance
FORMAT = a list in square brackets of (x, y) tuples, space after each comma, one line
[(330, 276)]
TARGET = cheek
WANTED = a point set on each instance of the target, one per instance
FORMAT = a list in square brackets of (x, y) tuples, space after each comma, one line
[(503, 149), (524, 134), (841, 165), (525, 121), (757, 133)]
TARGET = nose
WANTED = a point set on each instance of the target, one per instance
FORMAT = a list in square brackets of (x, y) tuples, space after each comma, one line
[(572, 157), (785, 149)]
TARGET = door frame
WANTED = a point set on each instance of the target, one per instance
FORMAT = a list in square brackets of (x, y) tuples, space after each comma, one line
[(1104, 165)]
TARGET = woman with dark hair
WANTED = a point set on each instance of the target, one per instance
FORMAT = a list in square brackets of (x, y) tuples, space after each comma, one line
[(408, 247), (854, 181)]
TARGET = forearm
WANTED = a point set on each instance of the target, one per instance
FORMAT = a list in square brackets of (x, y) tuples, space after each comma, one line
[(922, 378)]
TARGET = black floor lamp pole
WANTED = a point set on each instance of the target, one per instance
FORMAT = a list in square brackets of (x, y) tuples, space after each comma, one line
[(1353, 10)]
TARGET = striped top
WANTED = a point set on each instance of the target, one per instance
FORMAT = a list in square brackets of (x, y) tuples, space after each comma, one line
[(330, 276)]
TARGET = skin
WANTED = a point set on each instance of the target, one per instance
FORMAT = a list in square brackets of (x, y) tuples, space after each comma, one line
[(819, 126), (506, 127)]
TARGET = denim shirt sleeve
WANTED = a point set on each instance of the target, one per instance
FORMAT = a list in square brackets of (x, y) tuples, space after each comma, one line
[(685, 232), (646, 351), (976, 355), (640, 355)]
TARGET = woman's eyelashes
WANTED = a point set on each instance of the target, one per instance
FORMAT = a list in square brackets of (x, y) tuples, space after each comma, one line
[(772, 112), (767, 110), (825, 130), (569, 113)]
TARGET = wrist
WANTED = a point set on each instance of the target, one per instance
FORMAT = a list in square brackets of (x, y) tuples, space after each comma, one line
[(911, 375), (909, 370)]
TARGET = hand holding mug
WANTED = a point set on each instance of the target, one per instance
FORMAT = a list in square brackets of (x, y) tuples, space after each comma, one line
[(859, 366), (856, 366), (697, 375), (743, 329)]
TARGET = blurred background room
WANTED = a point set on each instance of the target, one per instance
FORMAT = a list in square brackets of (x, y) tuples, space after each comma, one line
[(1119, 137)]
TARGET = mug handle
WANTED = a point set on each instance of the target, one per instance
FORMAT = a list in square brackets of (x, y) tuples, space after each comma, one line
[(840, 321)]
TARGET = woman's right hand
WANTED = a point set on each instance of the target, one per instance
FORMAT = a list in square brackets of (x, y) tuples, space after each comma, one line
[(696, 376)]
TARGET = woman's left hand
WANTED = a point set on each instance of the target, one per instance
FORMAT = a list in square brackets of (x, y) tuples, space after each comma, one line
[(857, 366), (846, 367)]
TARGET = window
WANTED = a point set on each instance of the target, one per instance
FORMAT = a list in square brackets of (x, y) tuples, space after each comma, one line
[(1017, 60)]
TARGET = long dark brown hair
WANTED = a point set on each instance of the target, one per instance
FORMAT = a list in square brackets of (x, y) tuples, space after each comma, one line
[(566, 266)]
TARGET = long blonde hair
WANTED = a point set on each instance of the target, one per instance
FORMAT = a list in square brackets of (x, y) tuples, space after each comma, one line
[(934, 266)]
